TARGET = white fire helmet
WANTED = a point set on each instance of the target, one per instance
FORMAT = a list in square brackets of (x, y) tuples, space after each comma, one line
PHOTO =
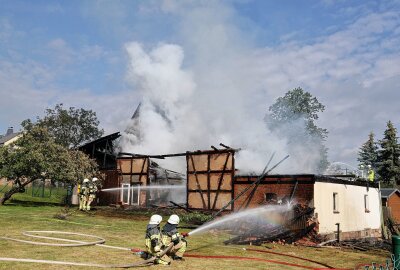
[(85, 180), (155, 219), (95, 179), (173, 219), (369, 166)]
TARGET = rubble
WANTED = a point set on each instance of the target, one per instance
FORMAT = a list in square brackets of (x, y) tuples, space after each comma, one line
[(299, 227)]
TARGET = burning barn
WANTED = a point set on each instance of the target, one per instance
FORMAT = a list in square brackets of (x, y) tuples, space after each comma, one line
[(340, 208), (329, 205), (338, 205)]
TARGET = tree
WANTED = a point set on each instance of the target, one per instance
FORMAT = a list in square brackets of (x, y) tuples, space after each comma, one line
[(69, 127), (389, 156), (294, 116), (368, 154), (35, 156)]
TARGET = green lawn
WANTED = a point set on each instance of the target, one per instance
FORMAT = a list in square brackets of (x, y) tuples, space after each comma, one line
[(39, 195), (126, 229)]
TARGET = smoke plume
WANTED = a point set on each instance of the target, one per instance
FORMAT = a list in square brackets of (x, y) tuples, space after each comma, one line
[(185, 109)]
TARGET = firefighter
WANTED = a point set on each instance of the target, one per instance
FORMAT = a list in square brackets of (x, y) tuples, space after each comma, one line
[(171, 234), (83, 194), (371, 174), (153, 240), (92, 192)]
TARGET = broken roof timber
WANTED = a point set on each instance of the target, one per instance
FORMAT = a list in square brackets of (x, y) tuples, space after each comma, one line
[(198, 152), (309, 178), (100, 140)]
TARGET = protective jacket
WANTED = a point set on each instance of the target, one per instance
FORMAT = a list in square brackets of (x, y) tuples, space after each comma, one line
[(153, 244), (153, 236), (171, 234), (84, 189), (92, 189), (371, 175)]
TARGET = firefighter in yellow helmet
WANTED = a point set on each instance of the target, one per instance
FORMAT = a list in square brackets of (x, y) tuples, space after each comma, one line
[(171, 234), (371, 174), (83, 194), (92, 192), (153, 240)]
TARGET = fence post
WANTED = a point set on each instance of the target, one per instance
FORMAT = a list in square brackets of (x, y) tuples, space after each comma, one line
[(68, 197), (396, 251)]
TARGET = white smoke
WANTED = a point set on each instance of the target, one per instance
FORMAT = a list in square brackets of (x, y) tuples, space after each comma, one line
[(185, 111)]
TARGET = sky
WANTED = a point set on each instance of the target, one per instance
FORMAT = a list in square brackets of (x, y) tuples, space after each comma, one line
[(230, 54)]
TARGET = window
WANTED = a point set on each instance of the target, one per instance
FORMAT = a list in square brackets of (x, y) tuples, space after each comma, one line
[(125, 194), (366, 203), (135, 194), (335, 202), (271, 197)]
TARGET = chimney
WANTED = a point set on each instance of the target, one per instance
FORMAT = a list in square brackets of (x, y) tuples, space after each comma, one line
[(10, 130)]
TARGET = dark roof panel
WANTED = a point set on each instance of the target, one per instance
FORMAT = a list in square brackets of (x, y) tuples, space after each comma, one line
[(387, 192), (112, 136), (6, 138)]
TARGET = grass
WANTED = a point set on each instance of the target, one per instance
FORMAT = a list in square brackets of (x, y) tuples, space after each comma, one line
[(126, 229), (46, 195)]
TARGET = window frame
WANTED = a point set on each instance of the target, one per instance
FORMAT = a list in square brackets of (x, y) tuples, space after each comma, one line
[(366, 203), (335, 198)]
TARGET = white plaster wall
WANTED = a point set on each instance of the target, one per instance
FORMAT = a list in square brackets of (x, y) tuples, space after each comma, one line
[(352, 215)]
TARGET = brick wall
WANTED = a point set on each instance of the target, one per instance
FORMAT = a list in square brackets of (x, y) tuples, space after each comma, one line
[(376, 233), (281, 186), (394, 204)]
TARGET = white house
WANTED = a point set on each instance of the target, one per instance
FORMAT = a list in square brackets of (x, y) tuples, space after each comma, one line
[(353, 207)]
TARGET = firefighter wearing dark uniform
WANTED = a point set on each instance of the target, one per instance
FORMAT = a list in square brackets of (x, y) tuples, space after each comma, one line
[(171, 234), (153, 240), (83, 194), (92, 192)]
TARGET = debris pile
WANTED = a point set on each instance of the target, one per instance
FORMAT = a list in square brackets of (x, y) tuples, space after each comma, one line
[(299, 225), (361, 244)]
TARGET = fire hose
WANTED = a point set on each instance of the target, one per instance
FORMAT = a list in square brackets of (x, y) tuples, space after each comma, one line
[(326, 266), (98, 242)]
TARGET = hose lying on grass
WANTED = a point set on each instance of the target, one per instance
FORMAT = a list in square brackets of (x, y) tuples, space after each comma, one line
[(99, 242)]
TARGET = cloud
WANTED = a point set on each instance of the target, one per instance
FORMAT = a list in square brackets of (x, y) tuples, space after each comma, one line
[(21, 89), (28, 88), (352, 69), (348, 70), (60, 51)]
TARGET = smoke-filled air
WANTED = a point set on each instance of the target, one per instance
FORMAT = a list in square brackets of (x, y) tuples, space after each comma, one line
[(184, 109)]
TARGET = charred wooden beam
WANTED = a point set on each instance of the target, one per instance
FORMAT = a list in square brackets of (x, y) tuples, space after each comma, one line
[(247, 188), (180, 206), (198, 183), (227, 147), (250, 197), (221, 178), (215, 148), (178, 154)]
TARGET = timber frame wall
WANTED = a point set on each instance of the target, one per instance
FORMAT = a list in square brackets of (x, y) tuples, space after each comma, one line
[(210, 179), (135, 171), (212, 183), (209, 176)]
